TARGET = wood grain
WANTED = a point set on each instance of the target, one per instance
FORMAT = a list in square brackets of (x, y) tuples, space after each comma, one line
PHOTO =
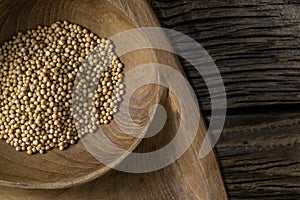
[(254, 43), (259, 156), (256, 47), (187, 178)]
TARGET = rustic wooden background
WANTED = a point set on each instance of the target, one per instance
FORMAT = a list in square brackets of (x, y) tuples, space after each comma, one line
[(256, 45)]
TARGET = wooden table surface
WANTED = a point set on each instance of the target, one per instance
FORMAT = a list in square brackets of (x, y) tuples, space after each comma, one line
[(256, 45)]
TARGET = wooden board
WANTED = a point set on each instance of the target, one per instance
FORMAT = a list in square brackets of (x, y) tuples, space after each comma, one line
[(256, 47), (260, 156)]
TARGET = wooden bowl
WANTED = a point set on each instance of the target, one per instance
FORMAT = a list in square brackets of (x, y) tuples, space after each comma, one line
[(59, 169)]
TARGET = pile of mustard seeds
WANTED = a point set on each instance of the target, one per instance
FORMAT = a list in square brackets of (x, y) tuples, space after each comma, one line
[(37, 79)]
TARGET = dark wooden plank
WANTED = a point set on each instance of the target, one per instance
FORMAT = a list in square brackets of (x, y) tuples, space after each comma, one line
[(255, 45), (260, 156)]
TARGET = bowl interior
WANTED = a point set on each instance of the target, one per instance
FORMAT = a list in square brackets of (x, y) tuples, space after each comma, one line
[(57, 169)]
